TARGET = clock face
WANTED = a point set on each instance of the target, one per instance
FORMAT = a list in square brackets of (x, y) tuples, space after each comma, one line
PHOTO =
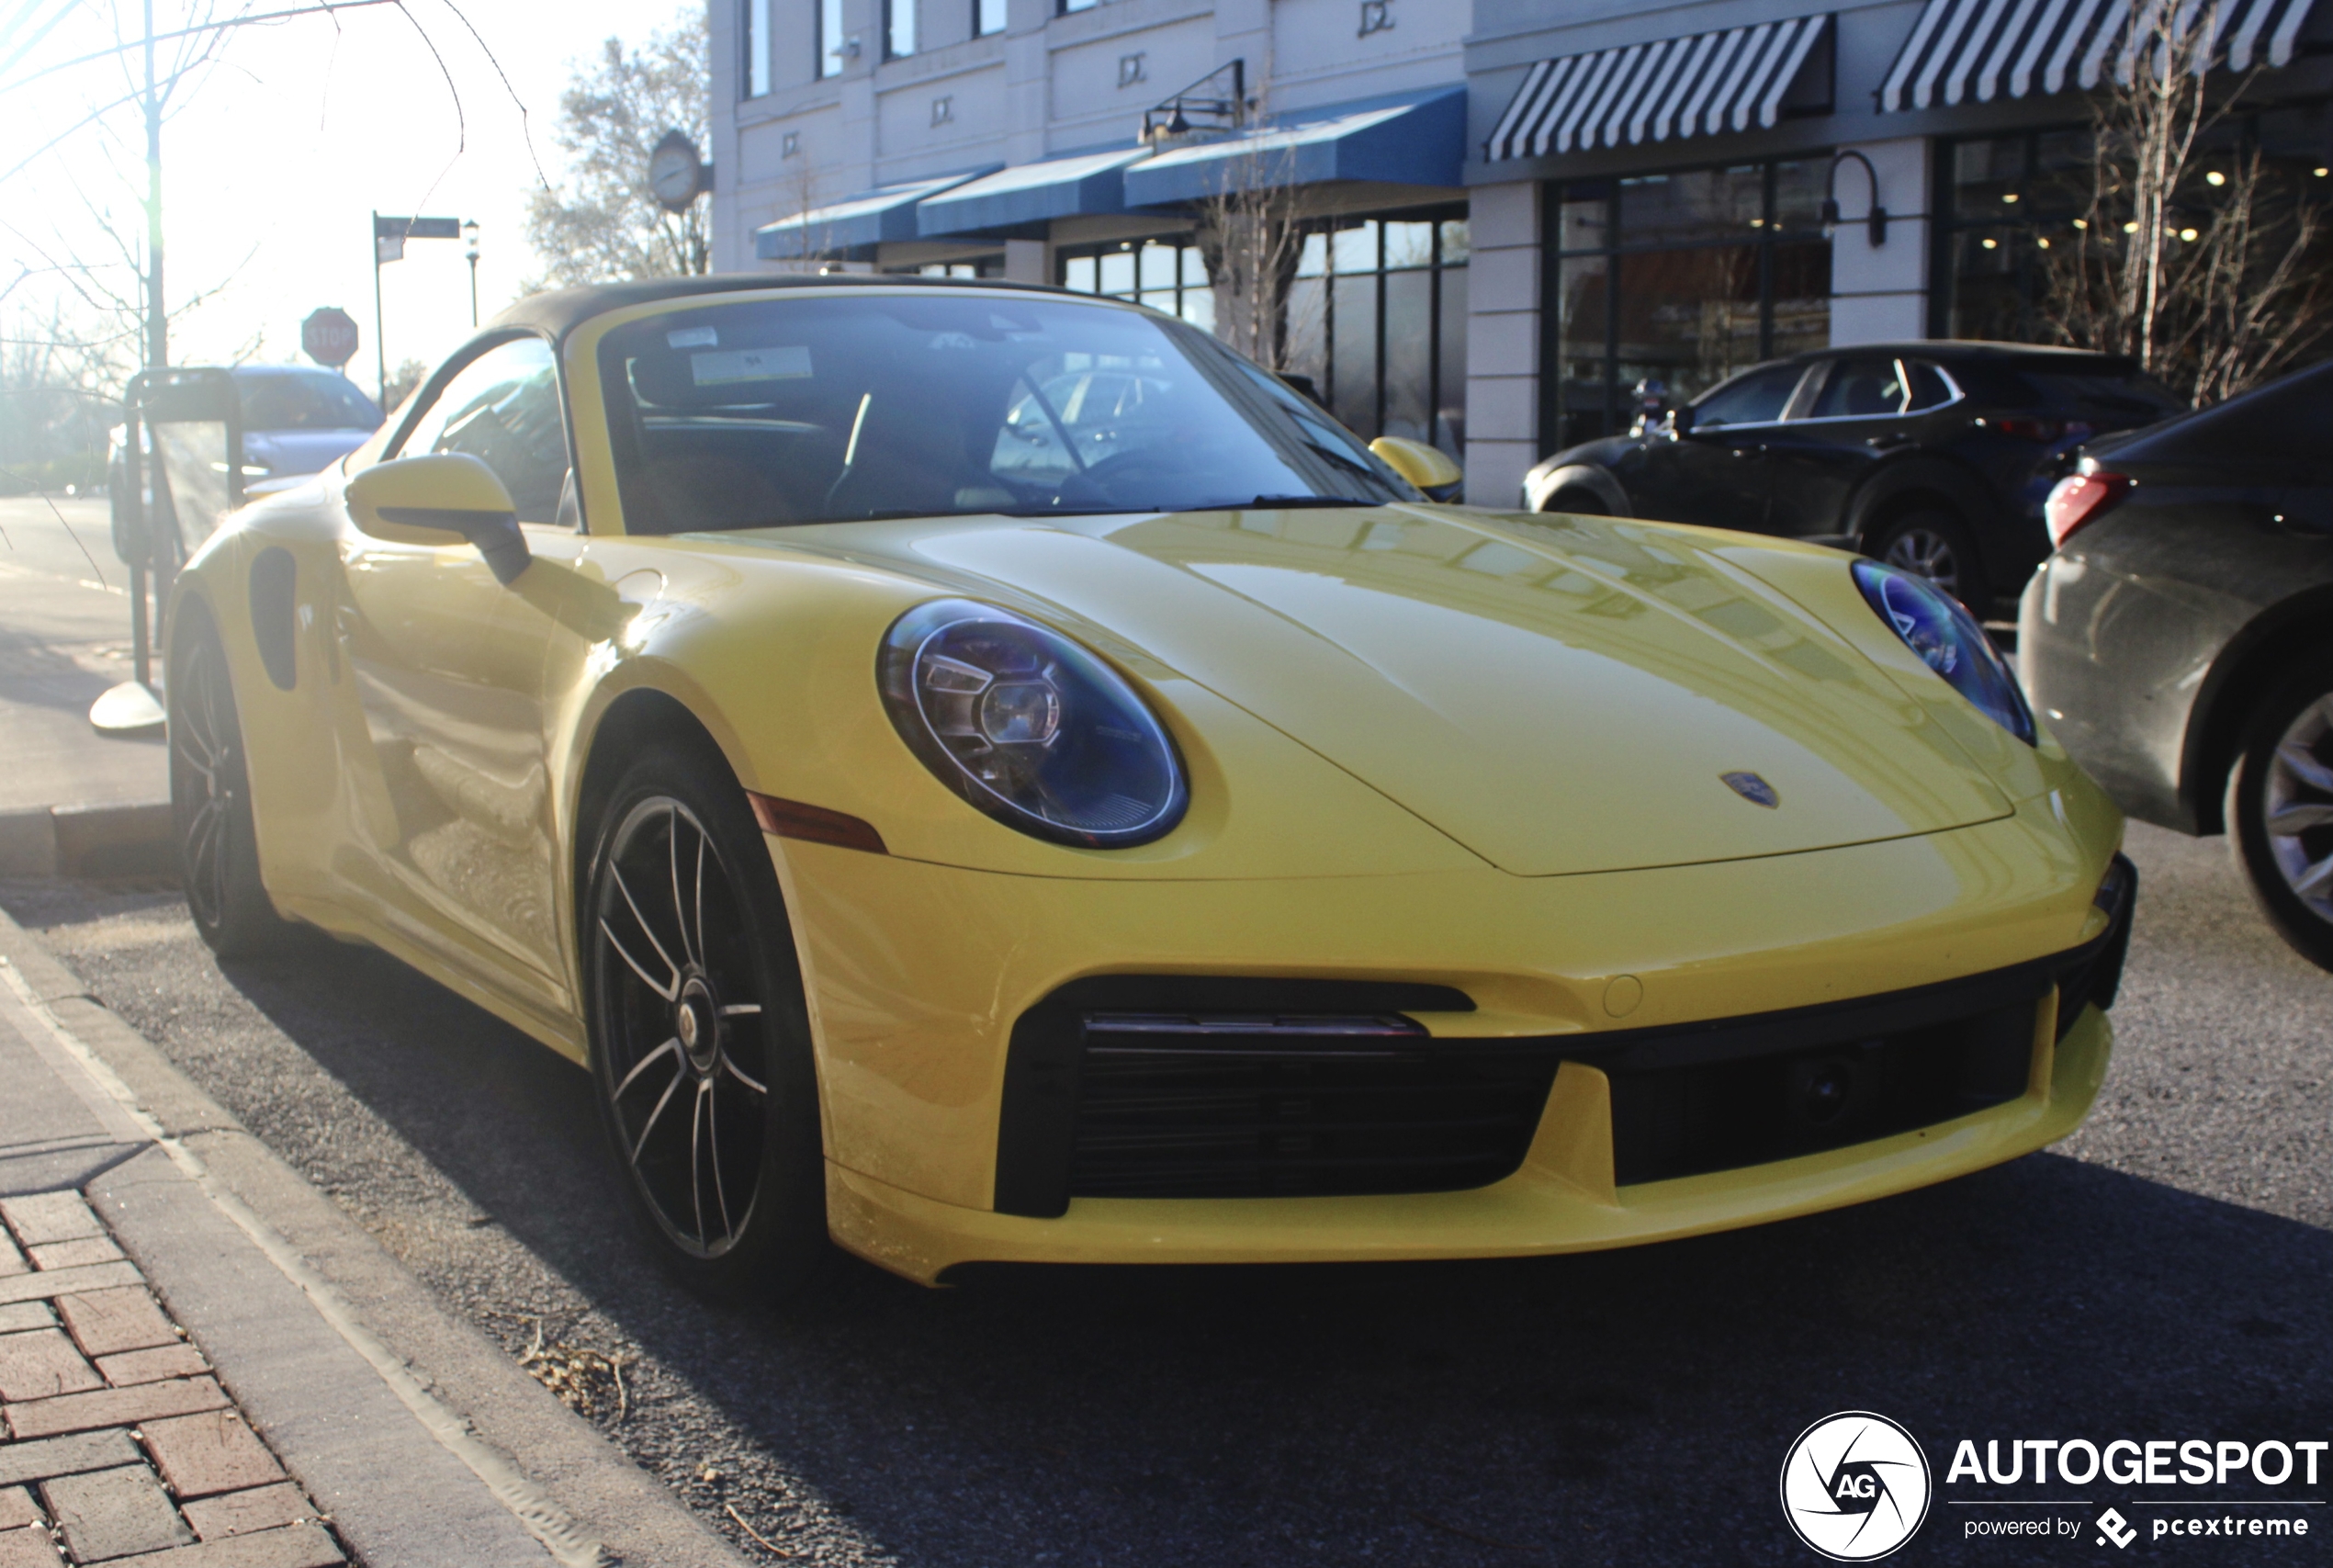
[(673, 173)]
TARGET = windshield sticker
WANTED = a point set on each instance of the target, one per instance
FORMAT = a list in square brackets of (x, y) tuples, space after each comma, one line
[(692, 337), (953, 340), (749, 364)]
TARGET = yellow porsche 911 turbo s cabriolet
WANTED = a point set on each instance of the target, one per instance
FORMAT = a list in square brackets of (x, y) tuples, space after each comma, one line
[(983, 773)]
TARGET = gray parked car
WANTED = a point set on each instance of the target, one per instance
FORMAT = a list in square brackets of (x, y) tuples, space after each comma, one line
[(2181, 640), (297, 421)]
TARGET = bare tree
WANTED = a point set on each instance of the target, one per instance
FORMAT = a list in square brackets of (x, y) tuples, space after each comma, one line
[(2202, 262), (1252, 234), (603, 222)]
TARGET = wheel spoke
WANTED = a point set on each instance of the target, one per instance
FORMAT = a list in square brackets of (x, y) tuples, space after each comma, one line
[(2316, 880), (741, 1009), (730, 1062), (713, 1136), (672, 1044), (2295, 819), (696, 1161), (2302, 764), (650, 932), (680, 1071), (667, 990), (679, 910), (700, 896)]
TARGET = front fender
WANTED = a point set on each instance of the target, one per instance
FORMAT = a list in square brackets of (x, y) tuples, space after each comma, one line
[(1543, 484)]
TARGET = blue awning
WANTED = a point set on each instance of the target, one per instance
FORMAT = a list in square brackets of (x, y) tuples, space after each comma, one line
[(851, 230), (1413, 140), (1022, 199)]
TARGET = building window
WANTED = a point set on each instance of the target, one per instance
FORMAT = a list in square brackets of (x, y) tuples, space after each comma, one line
[(1377, 318), (899, 29), (753, 45), (832, 46), (1167, 275), (987, 16), (2008, 199), (979, 266), (1069, 5), (1682, 279)]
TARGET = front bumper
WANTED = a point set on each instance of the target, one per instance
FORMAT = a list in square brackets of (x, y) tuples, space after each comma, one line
[(916, 974)]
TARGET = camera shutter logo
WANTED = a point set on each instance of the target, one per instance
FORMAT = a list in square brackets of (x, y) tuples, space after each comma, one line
[(1855, 1486)]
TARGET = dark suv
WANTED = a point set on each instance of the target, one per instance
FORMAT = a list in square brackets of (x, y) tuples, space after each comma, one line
[(1935, 456)]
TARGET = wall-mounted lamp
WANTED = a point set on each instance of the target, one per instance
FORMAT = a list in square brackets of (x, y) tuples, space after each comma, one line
[(1878, 220)]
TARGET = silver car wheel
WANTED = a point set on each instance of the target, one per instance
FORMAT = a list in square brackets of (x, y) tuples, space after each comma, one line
[(1926, 553), (2297, 810)]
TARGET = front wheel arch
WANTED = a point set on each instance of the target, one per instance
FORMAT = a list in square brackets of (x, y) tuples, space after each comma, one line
[(2283, 637)]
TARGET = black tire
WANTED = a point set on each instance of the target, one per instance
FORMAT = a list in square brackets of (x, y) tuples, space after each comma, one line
[(1937, 546), (210, 798), (2283, 778), (1578, 503), (689, 964)]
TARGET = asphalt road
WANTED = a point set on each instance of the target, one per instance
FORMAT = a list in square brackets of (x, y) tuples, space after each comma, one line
[(2163, 1274)]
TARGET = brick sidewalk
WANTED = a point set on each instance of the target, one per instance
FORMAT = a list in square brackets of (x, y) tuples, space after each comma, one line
[(120, 1447)]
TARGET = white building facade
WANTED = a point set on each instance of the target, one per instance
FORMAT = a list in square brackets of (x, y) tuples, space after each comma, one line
[(1513, 210)]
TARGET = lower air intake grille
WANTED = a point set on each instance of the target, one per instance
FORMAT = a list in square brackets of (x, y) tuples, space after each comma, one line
[(1217, 1106)]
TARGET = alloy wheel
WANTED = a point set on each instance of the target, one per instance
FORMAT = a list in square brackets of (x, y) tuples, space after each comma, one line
[(681, 1014), (1926, 553), (2297, 808), (208, 773)]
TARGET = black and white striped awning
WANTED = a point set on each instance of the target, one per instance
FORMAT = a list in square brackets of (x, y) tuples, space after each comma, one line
[(1678, 87), (1977, 51)]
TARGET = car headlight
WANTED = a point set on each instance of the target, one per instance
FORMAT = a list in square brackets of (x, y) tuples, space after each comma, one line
[(1028, 727), (1948, 640)]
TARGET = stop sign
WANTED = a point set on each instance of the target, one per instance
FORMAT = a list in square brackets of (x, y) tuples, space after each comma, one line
[(329, 336)]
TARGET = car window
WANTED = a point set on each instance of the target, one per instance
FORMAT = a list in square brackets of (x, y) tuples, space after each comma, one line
[(759, 413), (1757, 398), (1861, 387), (2123, 396), (502, 408), (304, 399), (1929, 387)]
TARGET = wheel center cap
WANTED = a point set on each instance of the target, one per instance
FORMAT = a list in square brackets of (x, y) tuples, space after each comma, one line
[(694, 1023)]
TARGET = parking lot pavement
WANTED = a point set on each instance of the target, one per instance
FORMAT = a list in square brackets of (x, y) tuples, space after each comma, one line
[(2163, 1274)]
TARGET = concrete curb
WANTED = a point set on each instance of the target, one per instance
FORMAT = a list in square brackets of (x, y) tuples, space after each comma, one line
[(368, 1357), (134, 839)]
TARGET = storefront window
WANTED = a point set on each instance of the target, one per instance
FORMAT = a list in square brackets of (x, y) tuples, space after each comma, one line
[(1377, 318), (1167, 275), (2008, 200), (1376, 315), (1684, 279)]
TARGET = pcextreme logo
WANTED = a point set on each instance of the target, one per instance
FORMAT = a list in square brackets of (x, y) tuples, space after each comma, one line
[(1855, 1486)]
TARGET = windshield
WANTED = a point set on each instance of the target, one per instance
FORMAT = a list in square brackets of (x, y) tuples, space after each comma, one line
[(754, 413), (304, 399)]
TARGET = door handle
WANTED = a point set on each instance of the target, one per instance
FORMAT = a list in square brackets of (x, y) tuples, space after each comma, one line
[(1887, 443)]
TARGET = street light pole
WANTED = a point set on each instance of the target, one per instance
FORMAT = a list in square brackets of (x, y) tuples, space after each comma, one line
[(381, 349), (470, 249), (157, 320)]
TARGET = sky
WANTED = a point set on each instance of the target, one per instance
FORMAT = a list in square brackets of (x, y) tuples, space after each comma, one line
[(276, 155)]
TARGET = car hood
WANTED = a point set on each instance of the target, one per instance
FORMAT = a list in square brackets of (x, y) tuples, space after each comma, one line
[(1558, 695)]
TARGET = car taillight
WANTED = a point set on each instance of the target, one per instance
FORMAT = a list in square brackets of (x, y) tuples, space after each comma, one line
[(2078, 499), (2030, 429)]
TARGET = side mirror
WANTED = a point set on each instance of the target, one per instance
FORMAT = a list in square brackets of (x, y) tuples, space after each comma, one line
[(1680, 420), (1303, 387), (1430, 468), (446, 497)]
